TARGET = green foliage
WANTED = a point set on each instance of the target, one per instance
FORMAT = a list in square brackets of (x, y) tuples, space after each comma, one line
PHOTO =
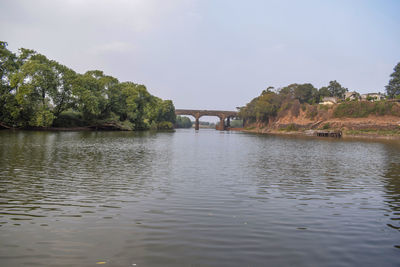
[(364, 109), (271, 104), (305, 93), (336, 90), (91, 92), (69, 118), (237, 123), (42, 118), (165, 125), (324, 92), (386, 132), (326, 126), (393, 88), (290, 128), (38, 92), (324, 107), (183, 122), (166, 112), (8, 104)]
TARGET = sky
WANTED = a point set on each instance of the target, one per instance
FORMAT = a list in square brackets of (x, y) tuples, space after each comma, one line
[(213, 54)]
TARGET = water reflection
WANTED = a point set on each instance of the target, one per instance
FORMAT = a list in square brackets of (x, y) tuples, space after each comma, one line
[(392, 186)]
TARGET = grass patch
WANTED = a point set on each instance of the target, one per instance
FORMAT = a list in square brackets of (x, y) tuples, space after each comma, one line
[(290, 128), (373, 132), (324, 107)]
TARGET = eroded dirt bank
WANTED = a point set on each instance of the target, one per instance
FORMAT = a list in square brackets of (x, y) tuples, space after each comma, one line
[(306, 122)]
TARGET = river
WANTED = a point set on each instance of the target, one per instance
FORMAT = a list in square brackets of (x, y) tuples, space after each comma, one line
[(204, 198)]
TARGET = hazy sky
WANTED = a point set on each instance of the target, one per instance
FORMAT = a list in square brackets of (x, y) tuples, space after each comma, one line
[(213, 54)]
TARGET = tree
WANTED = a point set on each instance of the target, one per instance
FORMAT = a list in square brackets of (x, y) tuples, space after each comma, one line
[(35, 91), (183, 122), (393, 88), (267, 105), (166, 111), (35, 82), (304, 93), (324, 91), (8, 104), (62, 97), (336, 90), (93, 91)]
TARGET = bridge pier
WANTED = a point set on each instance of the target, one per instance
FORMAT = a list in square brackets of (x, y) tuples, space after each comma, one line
[(197, 122), (221, 125)]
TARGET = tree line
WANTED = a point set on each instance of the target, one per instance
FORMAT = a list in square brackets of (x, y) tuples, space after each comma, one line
[(272, 101), (38, 92)]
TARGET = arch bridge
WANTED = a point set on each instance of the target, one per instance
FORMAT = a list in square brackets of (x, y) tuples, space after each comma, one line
[(221, 114)]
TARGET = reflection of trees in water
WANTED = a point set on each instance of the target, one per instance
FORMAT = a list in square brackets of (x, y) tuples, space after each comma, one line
[(393, 193), (77, 168)]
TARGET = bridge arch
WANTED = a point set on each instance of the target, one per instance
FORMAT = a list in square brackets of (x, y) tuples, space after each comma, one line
[(221, 114)]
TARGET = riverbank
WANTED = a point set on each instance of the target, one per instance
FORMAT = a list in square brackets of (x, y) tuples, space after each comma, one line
[(366, 133)]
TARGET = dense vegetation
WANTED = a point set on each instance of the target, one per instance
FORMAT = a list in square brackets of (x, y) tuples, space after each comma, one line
[(236, 123), (183, 122), (393, 88), (273, 103), (38, 92), (359, 109)]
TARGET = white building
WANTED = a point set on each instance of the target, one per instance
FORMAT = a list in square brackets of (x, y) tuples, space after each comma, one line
[(372, 97), (329, 100)]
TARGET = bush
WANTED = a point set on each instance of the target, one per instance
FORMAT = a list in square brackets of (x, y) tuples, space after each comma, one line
[(69, 119), (183, 122), (363, 109), (42, 118), (237, 123), (165, 125), (326, 126), (324, 107), (290, 128), (127, 125)]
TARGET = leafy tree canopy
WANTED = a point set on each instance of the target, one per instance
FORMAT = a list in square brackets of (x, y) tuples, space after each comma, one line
[(393, 88), (36, 91)]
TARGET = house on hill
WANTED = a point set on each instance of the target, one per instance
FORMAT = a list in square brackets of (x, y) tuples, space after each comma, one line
[(329, 100), (372, 97), (352, 96)]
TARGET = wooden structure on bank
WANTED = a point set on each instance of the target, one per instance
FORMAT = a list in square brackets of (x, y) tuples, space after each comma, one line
[(322, 133)]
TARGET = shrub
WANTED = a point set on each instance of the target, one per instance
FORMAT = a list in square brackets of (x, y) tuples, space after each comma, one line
[(165, 125), (326, 126), (69, 119), (324, 107), (289, 128), (363, 109)]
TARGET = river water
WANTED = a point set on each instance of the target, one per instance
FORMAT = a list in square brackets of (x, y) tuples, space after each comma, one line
[(204, 198)]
